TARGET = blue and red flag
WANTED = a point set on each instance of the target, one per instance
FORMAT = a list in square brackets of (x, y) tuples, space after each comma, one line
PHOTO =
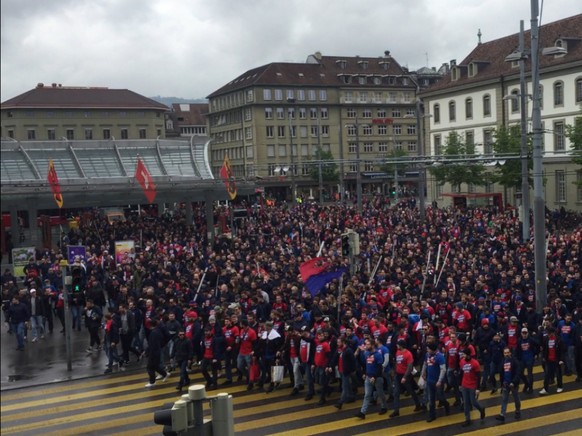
[(311, 267), (316, 282)]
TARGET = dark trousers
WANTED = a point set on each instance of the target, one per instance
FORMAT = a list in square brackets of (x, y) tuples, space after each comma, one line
[(154, 365), (399, 387), (126, 347), (94, 336), (229, 363), (551, 370), (209, 363), (184, 378)]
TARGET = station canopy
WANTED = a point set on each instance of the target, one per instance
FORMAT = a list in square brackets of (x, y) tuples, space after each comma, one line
[(102, 173)]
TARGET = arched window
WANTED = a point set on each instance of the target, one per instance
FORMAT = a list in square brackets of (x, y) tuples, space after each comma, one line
[(452, 111), (559, 93)]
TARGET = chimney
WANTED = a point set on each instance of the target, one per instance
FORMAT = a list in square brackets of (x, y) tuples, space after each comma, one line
[(453, 63), (40, 85)]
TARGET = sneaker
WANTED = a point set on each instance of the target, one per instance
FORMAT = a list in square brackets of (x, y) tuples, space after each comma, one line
[(149, 385), (338, 406), (431, 419), (383, 411), (482, 413), (466, 424), (166, 377), (294, 392), (34, 339), (159, 377), (360, 415), (308, 397), (560, 390), (543, 392), (108, 371), (394, 414), (42, 336), (500, 418)]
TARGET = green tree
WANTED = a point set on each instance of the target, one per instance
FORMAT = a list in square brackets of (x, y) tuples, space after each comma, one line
[(392, 165), (574, 134), (329, 169), (461, 171), (508, 142)]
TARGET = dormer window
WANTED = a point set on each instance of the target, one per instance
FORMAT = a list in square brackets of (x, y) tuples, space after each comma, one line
[(455, 74), (385, 65), (363, 64), (347, 79), (377, 80), (342, 64), (362, 80), (472, 69)]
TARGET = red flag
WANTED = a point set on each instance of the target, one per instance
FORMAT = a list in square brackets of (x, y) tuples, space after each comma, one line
[(54, 182), (144, 178), (312, 267), (227, 177)]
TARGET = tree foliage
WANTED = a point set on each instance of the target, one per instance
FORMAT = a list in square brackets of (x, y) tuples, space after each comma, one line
[(457, 173), (392, 167), (508, 143), (329, 169), (574, 134)]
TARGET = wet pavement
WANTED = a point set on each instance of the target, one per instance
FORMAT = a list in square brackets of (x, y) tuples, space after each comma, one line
[(45, 361)]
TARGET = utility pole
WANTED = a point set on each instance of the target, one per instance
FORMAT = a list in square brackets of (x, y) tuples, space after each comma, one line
[(422, 172), (293, 185), (538, 205), (319, 169), (524, 149), (358, 172)]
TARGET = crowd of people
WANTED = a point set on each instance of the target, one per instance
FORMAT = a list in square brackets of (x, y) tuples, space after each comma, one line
[(440, 309)]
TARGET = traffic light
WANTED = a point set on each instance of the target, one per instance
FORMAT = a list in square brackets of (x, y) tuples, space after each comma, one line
[(354, 241), (345, 245), (77, 279), (393, 191)]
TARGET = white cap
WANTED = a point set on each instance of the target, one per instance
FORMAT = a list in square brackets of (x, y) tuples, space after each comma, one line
[(32, 290)]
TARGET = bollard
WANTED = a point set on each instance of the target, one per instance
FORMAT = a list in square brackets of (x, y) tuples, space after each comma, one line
[(222, 415), (179, 416)]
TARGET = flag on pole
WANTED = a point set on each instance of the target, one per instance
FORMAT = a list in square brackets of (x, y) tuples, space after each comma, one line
[(54, 182), (227, 177), (144, 178), (317, 281), (312, 267)]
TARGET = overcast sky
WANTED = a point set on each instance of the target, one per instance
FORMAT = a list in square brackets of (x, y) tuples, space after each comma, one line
[(190, 48)]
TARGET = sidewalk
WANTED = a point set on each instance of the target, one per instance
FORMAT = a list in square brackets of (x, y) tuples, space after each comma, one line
[(45, 361)]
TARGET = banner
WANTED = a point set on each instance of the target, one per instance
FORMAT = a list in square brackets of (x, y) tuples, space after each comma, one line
[(54, 182), (123, 251), (227, 177), (144, 178), (76, 250), (20, 257)]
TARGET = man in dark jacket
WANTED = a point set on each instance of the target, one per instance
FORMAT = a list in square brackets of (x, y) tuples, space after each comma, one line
[(509, 376), (213, 346), (553, 360), (127, 331), (18, 316), (157, 340), (111, 341), (183, 353), (344, 362), (93, 316)]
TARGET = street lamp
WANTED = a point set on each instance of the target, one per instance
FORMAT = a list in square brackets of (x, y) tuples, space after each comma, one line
[(521, 57), (293, 185)]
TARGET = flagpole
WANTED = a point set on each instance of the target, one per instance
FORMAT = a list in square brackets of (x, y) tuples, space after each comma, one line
[(375, 270), (443, 268), (436, 265), (425, 273)]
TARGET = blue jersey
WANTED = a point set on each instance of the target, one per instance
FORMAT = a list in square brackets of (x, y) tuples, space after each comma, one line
[(374, 362), (433, 366)]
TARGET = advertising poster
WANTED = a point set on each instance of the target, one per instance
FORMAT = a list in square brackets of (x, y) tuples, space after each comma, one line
[(20, 258), (76, 250), (123, 250)]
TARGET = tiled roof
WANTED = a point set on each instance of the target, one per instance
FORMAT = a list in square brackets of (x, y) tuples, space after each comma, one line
[(62, 97), (317, 71), (490, 56), (192, 114)]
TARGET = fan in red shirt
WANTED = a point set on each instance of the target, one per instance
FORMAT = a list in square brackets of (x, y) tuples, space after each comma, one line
[(230, 333), (462, 318), (471, 371)]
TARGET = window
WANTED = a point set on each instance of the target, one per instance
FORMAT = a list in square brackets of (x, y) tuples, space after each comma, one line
[(381, 113), (311, 95), (304, 150), (407, 97), (280, 113), (267, 94), (88, 134), (368, 166), (124, 134), (301, 95), (397, 129), (324, 113), (368, 147), (269, 131), (398, 145), (11, 133), (377, 94), (51, 134), (325, 131), (268, 113), (248, 114), (281, 131), (314, 130), (353, 168), (352, 130), (487, 141), (559, 138), (282, 150), (411, 112), (142, 133), (558, 94), (106, 134), (411, 129), (323, 95), (352, 147), (302, 113), (392, 97), (366, 113), (351, 112), (469, 140), (270, 150), (514, 101), (452, 111), (278, 94), (313, 113), (412, 146), (349, 97), (437, 113), (578, 90), (305, 169), (560, 186), (290, 94), (487, 105), (363, 96), (31, 134), (71, 134), (382, 129), (383, 147), (250, 95), (250, 152), (303, 131), (291, 113), (271, 170), (437, 145), (579, 186), (469, 108), (248, 133), (362, 80), (367, 129)]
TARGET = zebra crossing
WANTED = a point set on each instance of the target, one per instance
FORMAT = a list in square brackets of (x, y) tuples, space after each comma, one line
[(119, 405)]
